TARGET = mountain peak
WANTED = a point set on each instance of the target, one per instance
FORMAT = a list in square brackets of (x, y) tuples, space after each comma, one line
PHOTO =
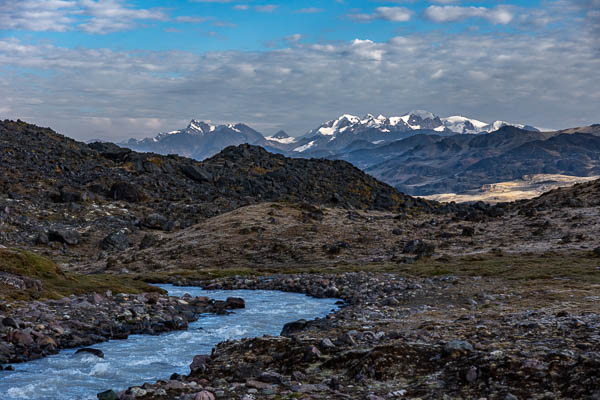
[(197, 126), (281, 135), (282, 138), (421, 114)]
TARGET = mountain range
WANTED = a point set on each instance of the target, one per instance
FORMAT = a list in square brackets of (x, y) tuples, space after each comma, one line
[(418, 153), (202, 139)]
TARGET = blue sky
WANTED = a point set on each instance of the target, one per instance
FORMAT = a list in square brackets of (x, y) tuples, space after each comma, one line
[(119, 68)]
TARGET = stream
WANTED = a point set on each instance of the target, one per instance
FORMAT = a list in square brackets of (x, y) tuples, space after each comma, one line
[(144, 358)]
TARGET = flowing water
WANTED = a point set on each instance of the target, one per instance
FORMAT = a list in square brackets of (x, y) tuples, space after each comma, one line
[(143, 358)]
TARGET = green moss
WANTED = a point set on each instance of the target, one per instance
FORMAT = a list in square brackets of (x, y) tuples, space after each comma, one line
[(55, 282)]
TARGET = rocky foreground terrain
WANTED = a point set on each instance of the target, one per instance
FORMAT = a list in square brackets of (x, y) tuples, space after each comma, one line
[(440, 301), (445, 337)]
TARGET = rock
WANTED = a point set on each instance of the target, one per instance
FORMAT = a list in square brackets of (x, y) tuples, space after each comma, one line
[(95, 298), (126, 191), (107, 395), (311, 354), (251, 383), (271, 377), (69, 195), (196, 173), (510, 396), (175, 385), (137, 391), (155, 221), (235, 302), (468, 231), (198, 365), (117, 240), (204, 395), (458, 346), (46, 341), (42, 238), (326, 344), (67, 236), (471, 375), (98, 353), (149, 240), (420, 248), (597, 251), (10, 322), (20, 338), (293, 327), (348, 339)]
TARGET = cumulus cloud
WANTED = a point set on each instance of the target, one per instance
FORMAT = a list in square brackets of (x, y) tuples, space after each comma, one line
[(112, 15), (92, 16), (550, 79), (393, 14), (36, 15), (497, 15)]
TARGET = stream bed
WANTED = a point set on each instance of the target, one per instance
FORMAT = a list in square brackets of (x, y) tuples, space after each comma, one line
[(144, 358)]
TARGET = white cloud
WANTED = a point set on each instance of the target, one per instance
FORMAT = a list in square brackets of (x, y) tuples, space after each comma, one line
[(37, 15), (393, 14), (192, 20), (241, 7), (92, 16), (484, 75), (497, 15), (268, 8), (310, 10), (112, 15)]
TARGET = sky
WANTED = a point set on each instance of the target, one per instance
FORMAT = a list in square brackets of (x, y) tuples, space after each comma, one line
[(114, 69)]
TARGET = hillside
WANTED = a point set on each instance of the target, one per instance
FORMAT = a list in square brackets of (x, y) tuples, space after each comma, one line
[(75, 200)]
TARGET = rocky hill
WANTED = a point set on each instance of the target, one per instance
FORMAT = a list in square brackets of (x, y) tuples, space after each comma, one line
[(580, 195), (75, 199)]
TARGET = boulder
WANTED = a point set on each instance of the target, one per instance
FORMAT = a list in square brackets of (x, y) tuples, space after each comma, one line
[(293, 327), (20, 338), (117, 240), (96, 352), (235, 302), (126, 191), (204, 395), (419, 247), (10, 322), (67, 236), (149, 240), (155, 221), (107, 395), (198, 365)]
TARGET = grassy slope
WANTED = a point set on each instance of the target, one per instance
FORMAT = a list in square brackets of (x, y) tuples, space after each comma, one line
[(578, 266), (56, 283)]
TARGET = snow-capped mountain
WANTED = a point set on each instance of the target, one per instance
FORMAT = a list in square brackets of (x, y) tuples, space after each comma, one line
[(198, 140), (281, 137), (414, 120), (336, 134), (201, 139)]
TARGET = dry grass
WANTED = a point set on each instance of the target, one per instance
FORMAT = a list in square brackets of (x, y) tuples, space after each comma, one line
[(55, 282)]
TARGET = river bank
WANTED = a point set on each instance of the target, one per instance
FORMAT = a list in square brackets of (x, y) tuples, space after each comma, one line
[(35, 329), (443, 337)]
